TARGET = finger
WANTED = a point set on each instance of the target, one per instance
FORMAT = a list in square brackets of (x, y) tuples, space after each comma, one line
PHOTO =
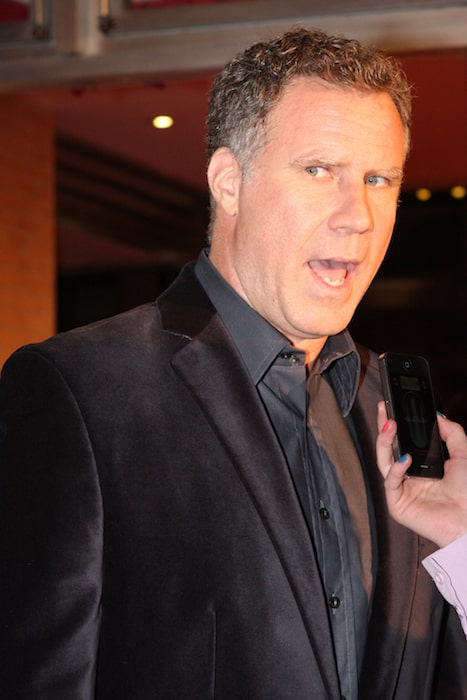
[(382, 415), (384, 451), (395, 484), (397, 473)]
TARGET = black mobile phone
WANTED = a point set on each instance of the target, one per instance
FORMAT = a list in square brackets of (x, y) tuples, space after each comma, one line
[(409, 398)]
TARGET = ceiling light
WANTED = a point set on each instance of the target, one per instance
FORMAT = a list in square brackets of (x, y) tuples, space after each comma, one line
[(458, 192), (423, 194), (162, 121)]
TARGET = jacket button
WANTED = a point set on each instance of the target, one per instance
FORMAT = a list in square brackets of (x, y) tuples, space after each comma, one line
[(334, 602), (324, 513)]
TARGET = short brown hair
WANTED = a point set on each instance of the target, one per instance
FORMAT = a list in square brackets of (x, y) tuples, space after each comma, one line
[(251, 84)]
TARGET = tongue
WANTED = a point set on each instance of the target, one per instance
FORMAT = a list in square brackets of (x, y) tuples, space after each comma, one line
[(329, 269)]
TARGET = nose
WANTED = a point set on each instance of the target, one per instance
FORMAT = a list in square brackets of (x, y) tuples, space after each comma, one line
[(352, 211)]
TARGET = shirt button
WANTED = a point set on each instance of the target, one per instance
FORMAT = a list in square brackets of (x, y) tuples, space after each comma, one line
[(334, 602), (324, 513), (291, 357), (439, 578)]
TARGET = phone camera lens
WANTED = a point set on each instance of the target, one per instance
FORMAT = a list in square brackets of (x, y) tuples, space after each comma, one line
[(407, 364)]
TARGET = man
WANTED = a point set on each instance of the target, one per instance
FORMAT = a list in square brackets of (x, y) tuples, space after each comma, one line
[(176, 523)]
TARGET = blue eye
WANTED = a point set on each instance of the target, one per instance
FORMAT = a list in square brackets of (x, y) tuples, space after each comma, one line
[(375, 180), (316, 170)]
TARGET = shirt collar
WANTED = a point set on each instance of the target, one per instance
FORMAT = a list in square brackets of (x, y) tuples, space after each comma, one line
[(339, 362), (259, 343)]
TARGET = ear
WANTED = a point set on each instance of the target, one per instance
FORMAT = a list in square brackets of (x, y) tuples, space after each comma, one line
[(224, 178)]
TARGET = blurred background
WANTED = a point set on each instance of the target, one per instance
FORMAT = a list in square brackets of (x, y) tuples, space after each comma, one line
[(99, 209)]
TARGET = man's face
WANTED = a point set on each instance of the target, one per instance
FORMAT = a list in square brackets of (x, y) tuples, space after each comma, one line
[(314, 217)]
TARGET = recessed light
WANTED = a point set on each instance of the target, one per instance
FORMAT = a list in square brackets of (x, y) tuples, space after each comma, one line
[(423, 194), (458, 192), (162, 121)]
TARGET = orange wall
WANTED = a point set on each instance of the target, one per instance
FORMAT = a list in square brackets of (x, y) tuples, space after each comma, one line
[(439, 155), (27, 225)]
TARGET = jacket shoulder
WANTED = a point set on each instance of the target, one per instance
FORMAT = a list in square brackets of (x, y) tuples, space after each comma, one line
[(131, 327)]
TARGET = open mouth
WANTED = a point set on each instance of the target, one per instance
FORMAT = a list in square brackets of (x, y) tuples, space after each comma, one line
[(332, 272)]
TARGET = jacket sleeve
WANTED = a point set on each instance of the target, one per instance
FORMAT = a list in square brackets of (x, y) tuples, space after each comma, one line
[(51, 522), (448, 569)]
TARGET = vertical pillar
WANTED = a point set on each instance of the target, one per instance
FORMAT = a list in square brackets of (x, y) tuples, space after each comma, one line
[(27, 224)]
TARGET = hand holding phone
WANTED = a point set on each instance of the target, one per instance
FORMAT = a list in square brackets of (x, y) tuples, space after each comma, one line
[(409, 400), (433, 508)]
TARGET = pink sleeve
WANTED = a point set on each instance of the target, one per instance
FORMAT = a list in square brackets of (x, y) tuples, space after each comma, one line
[(448, 569)]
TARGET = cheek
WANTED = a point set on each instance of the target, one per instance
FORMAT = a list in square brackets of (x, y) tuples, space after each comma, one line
[(381, 236), (264, 231), (384, 242)]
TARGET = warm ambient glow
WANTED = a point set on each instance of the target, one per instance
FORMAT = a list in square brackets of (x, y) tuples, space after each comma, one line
[(162, 121), (423, 194), (458, 192)]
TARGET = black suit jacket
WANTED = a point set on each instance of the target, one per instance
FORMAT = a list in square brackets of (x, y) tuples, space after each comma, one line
[(152, 543)]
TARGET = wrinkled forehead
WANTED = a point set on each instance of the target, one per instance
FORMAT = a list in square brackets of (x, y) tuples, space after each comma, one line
[(317, 87)]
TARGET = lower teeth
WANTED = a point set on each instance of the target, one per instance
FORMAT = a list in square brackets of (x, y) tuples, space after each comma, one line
[(332, 282)]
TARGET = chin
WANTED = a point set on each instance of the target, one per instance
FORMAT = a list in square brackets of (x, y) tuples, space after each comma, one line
[(336, 324)]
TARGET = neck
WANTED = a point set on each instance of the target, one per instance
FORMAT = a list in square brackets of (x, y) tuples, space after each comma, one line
[(312, 348)]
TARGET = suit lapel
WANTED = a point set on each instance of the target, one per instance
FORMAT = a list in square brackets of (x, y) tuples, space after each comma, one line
[(397, 566), (211, 368)]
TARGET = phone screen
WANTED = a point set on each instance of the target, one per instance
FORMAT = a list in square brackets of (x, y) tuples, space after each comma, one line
[(409, 400)]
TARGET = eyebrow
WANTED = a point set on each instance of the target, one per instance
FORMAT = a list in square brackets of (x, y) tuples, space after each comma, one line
[(393, 172)]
